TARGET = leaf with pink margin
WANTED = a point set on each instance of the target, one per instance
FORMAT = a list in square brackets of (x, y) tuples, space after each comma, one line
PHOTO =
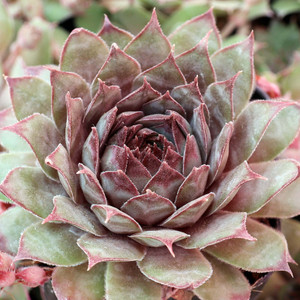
[(90, 151), (149, 208), (191, 32), (127, 118), (188, 269), (31, 189), (29, 95), (226, 187), (110, 248), (118, 187), (135, 100), (193, 186), (119, 69), (105, 99), (74, 133), (60, 160), (190, 213), (238, 57), (12, 223), (90, 186), (84, 53), (284, 205), (114, 158), (214, 229), (196, 63), (173, 159), (112, 34), (159, 237), (42, 136), (66, 211), (226, 283), (162, 77), (255, 194), (150, 46), (115, 220), (62, 83), (52, 244), (201, 131), (250, 127), (281, 132), (82, 284), (188, 96), (124, 281), (267, 254), (165, 182), (219, 153), (219, 101)]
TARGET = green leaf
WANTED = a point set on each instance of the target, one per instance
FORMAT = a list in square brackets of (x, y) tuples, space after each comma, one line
[(81, 284), (54, 11), (53, 244), (285, 7)]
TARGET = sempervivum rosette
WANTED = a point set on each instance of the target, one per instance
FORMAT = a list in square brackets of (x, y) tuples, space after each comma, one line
[(152, 166)]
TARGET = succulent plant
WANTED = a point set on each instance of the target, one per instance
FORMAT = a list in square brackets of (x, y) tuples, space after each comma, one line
[(147, 171)]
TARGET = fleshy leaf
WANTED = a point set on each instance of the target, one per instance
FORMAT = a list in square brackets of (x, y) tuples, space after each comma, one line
[(150, 46), (114, 158), (255, 194), (84, 53), (281, 132), (159, 238), (42, 136), (165, 182), (60, 160), (188, 269), (191, 32), (193, 186), (196, 63), (251, 255), (12, 223), (37, 243), (65, 210), (250, 127), (162, 77), (214, 229), (190, 213), (149, 208), (124, 281), (219, 100), (119, 69), (226, 283), (90, 186), (29, 95), (112, 34), (228, 185), (238, 57), (115, 220), (82, 284), (63, 82), (110, 248), (31, 189)]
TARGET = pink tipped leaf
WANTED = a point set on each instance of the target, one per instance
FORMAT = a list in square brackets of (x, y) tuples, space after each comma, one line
[(173, 159)]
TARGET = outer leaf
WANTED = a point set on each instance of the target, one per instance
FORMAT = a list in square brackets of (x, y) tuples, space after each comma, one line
[(238, 57), (110, 248), (82, 284), (255, 194), (31, 189), (30, 95), (215, 229), (12, 223), (84, 53), (191, 32), (268, 253), (226, 283), (125, 281), (188, 269), (150, 46), (42, 136), (37, 243)]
